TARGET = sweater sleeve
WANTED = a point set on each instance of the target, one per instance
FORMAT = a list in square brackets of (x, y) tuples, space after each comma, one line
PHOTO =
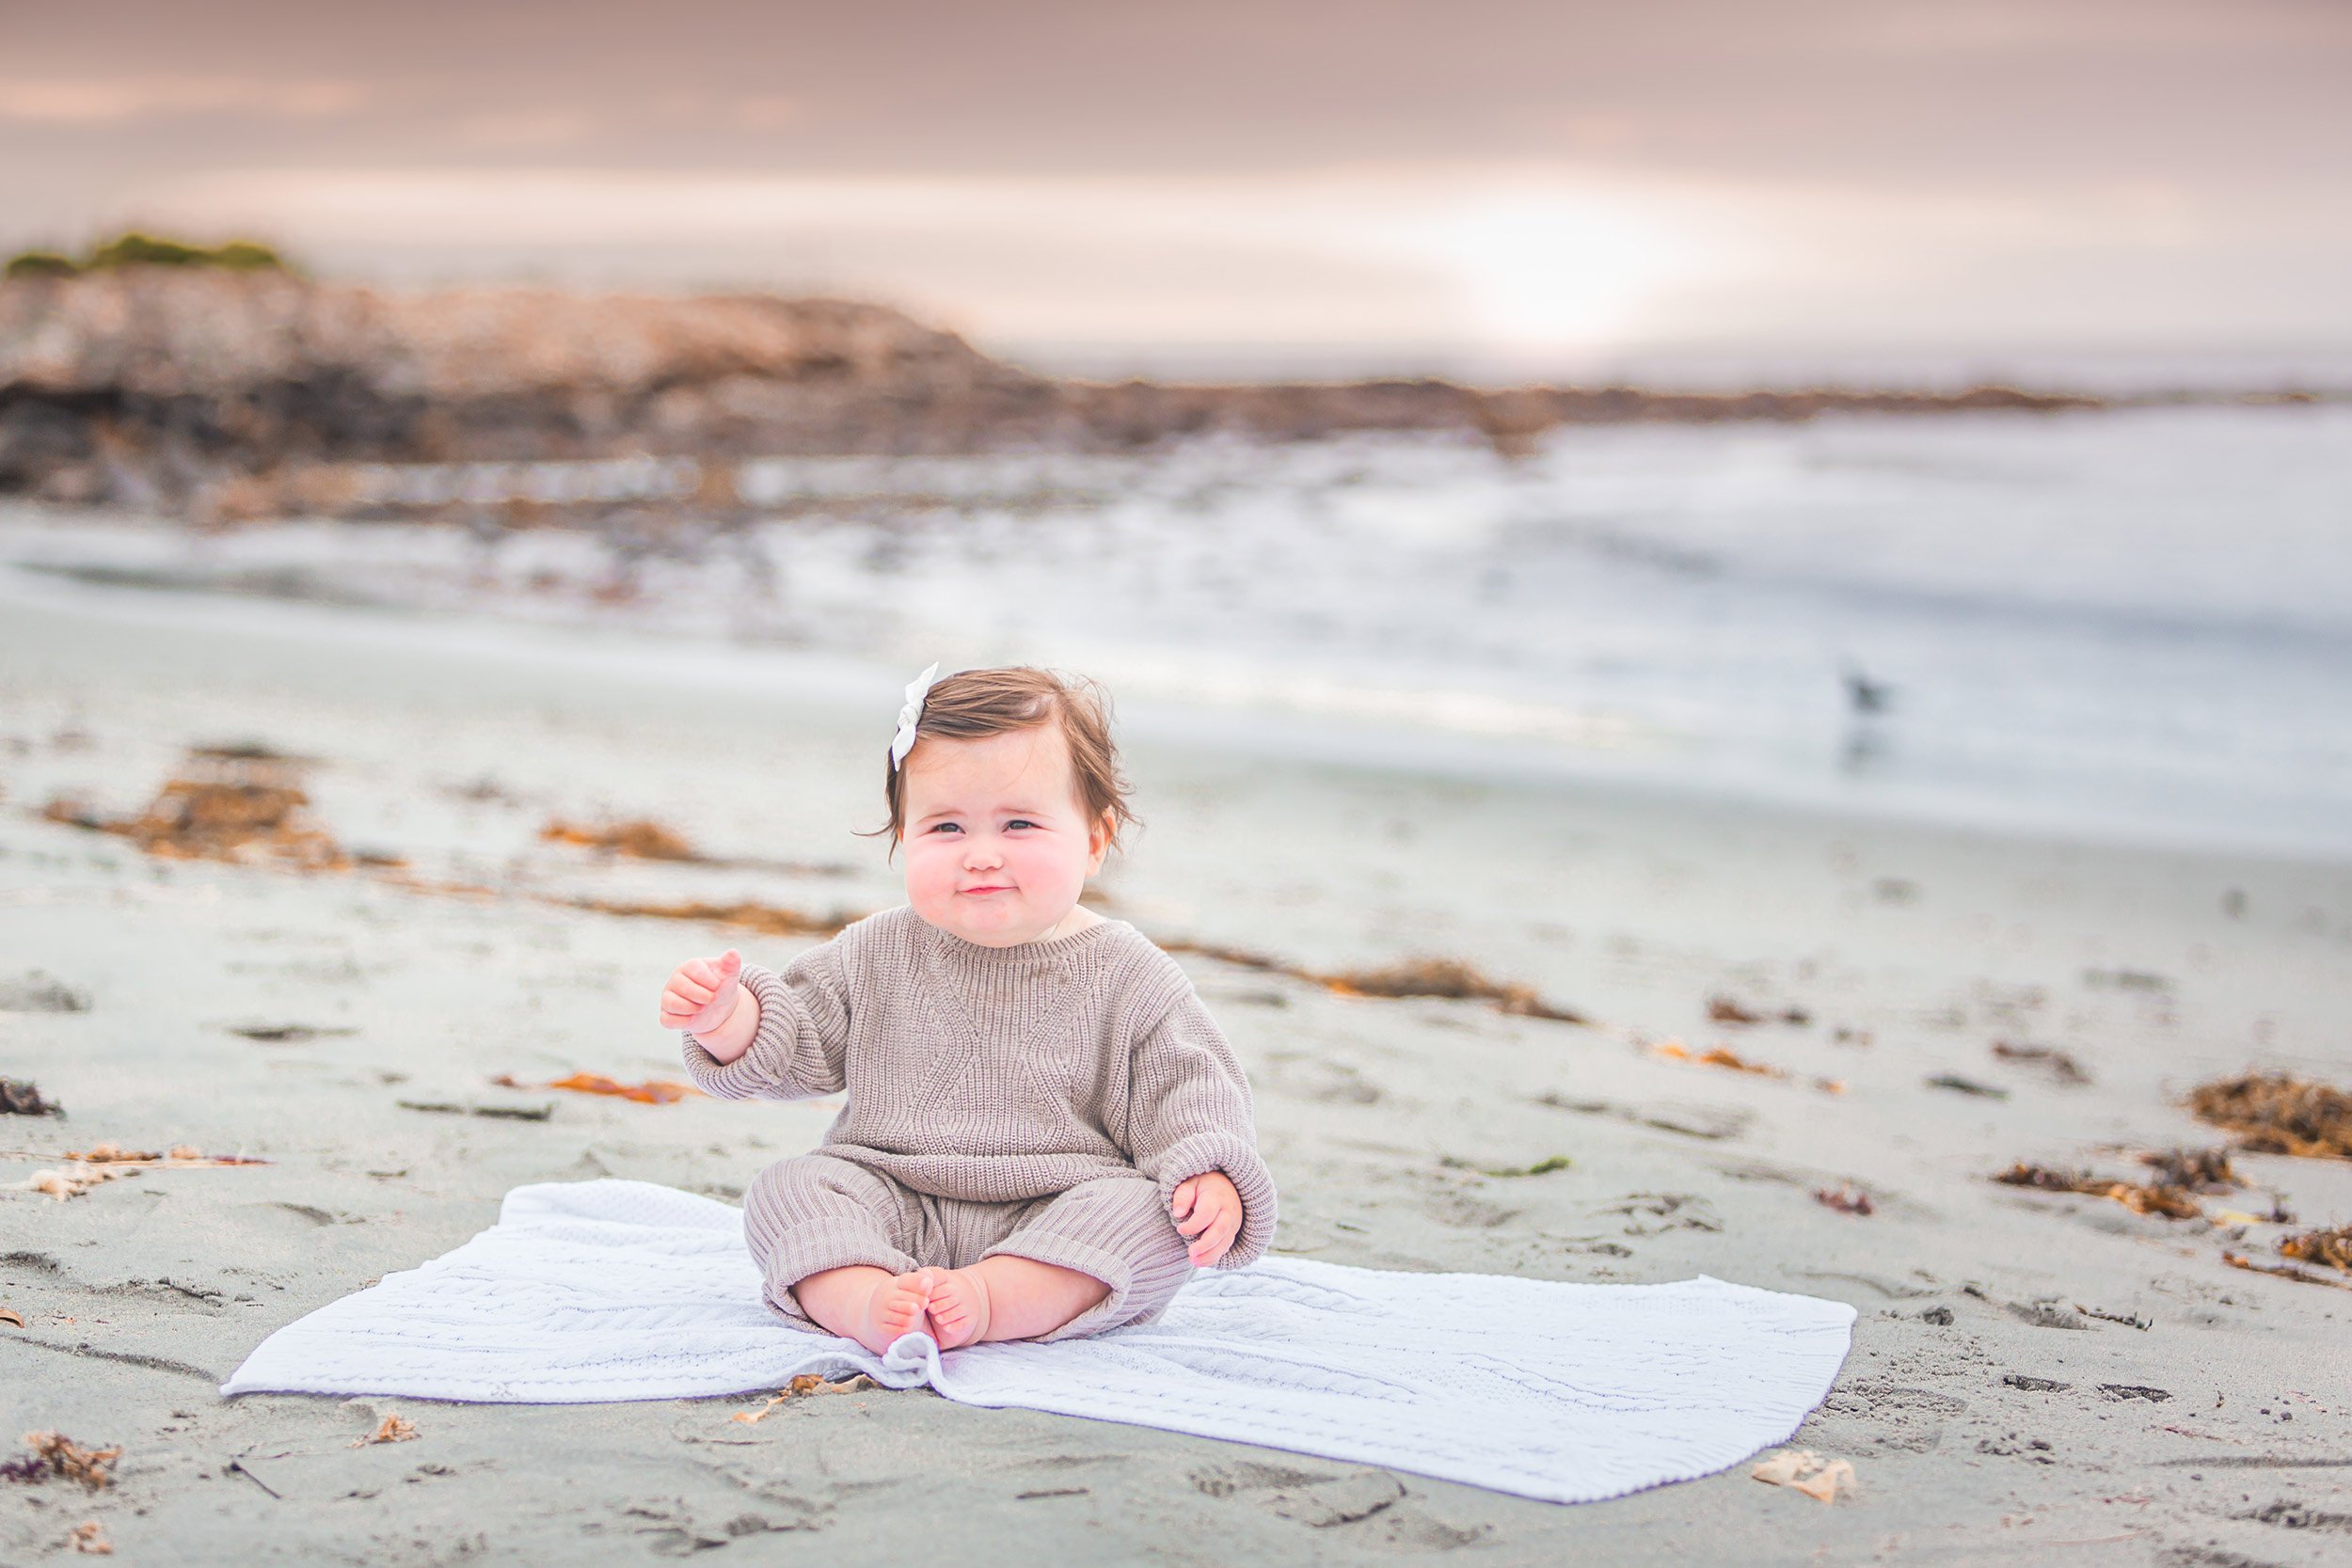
[(803, 1031), (1190, 1113)]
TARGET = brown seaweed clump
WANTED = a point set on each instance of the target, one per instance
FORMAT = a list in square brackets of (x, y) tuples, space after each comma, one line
[(392, 1429), (654, 1091), (2284, 1271), (21, 1097), (2167, 1200), (1846, 1198), (1719, 1055), (640, 839), (2058, 1064), (178, 1157), (55, 1454), (807, 1384), (2333, 1247), (2198, 1170), (1451, 978), (228, 807), (2278, 1113), (768, 919), (1725, 1009)]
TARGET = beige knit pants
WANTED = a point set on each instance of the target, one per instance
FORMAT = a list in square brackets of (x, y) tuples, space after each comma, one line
[(815, 1213)]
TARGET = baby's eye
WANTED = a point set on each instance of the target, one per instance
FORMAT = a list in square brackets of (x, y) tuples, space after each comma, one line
[(946, 828), (1020, 823)]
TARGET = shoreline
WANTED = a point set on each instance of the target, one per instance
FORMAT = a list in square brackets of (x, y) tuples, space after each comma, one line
[(1622, 773)]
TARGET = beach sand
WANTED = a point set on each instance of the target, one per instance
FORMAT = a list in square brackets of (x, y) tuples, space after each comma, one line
[(2035, 1376)]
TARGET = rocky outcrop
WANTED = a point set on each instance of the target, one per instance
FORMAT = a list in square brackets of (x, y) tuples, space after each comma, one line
[(167, 374), (175, 386)]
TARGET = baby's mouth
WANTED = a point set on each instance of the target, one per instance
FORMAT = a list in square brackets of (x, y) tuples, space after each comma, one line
[(991, 887)]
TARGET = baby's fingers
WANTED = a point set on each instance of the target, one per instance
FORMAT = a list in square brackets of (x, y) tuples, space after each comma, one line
[(1217, 1241), (1181, 1201), (674, 1005), (1210, 1208)]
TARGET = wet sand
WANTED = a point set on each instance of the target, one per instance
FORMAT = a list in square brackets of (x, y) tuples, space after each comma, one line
[(2001, 1403)]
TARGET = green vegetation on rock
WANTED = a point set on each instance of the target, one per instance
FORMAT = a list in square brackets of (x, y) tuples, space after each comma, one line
[(135, 249), (40, 264)]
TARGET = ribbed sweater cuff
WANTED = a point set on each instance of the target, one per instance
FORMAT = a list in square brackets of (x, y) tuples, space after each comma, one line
[(1244, 1168), (764, 1072)]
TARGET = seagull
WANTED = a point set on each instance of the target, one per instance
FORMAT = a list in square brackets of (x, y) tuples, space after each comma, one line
[(1868, 696)]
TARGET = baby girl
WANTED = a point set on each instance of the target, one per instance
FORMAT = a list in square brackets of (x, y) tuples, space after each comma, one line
[(1045, 1133)]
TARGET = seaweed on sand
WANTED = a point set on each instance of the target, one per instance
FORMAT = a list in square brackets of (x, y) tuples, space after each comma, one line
[(2278, 1113), (1957, 1084), (107, 1162), (2198, 1170), (640, 839), (2284, 1271), (1719, 1055), (1846, 1198), (1725, 1009), (654, 1091), (21, 1097), (1453, 979), (769, 919), (2058, 1064), (2160, 1198), (227, 805), (2333, 1247), (55, 1454), (42, 992)]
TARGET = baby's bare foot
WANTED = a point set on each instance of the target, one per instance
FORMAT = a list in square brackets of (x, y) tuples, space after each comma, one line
[(896, 1307), (959, 1306)]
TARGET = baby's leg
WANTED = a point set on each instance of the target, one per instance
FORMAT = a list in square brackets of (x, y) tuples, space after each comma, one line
[(832, 1238), (1103, 1254)]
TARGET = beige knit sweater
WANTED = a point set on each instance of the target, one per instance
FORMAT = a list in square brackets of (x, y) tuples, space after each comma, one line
[(1001, 1074)]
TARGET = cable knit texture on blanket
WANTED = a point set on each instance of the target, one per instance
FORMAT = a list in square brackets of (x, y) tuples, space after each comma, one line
[(604, 1290)]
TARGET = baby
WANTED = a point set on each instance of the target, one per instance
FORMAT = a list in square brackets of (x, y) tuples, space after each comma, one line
[(1046, 1133)]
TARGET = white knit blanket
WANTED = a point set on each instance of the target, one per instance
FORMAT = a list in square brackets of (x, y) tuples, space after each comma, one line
[(600, 1291)]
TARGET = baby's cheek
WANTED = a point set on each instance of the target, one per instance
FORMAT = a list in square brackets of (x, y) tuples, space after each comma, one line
[(930, 877), (1049, 869)]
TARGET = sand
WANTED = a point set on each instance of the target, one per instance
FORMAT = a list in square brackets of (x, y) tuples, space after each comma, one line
[(2002, 1402)]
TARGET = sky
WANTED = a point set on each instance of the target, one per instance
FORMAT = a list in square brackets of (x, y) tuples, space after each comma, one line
[(1477, 186)]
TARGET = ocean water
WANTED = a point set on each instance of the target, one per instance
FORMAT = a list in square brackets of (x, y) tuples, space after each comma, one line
[(2132, 626)]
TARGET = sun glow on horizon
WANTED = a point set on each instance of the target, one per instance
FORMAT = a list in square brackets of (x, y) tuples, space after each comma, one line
[(1427, 255), (1519, 269)]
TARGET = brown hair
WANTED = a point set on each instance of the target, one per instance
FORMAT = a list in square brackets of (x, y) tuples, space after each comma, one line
[(976, 704)]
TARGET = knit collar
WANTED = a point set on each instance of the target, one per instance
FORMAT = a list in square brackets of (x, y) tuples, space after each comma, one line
[(973, 955)]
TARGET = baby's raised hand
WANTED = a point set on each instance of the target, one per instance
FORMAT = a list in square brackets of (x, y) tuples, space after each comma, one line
[(1207, 1210), (701, 993)]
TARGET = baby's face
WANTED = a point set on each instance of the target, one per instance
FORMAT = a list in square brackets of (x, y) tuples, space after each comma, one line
[(997, 844)]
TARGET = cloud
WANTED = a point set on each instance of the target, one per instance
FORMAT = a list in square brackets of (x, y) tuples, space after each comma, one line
[(103, 100), (524, 129)]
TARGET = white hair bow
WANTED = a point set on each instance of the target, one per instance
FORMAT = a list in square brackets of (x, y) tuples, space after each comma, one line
[(910, 715)]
